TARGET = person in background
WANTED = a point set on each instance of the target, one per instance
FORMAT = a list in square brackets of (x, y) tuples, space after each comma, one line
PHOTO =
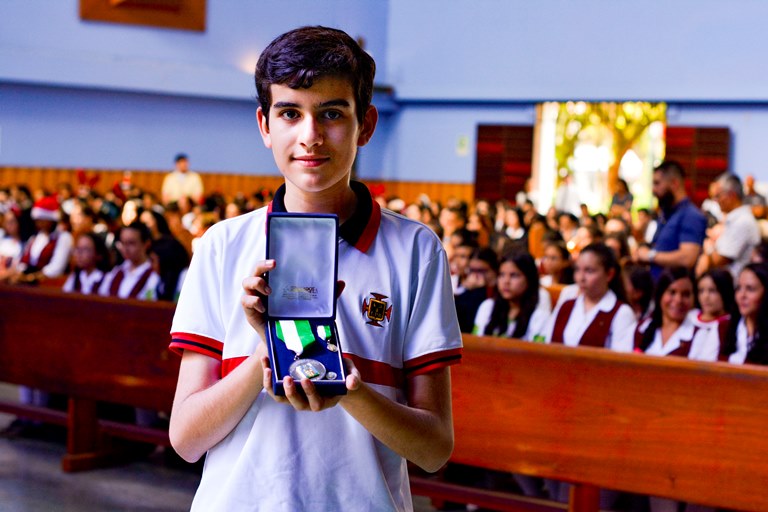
[(11, 243), (182, 182), (638, 284), (670, 331), (134, 278), (716, 301), (747, 338), (478, 285), (556, 264), (46, 254), (730, 246), (599, 315), (514, 311), (621, 202), (91, 260), (168, 255), (753, 199), (682, 226)]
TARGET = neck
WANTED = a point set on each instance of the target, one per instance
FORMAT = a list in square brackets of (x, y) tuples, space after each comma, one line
[(591, 301), (339, 199), (137, 263), (708, 317), (668, 327)]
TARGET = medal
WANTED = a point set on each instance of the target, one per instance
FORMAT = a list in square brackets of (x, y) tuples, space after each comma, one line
[(324, 333), (296, 334), (307, 369)]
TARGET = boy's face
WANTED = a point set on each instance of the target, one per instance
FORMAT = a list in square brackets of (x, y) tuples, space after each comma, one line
[(314, 133)]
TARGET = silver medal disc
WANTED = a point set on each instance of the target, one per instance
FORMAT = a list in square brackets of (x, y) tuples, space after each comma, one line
[(331, 375), (307, 369)]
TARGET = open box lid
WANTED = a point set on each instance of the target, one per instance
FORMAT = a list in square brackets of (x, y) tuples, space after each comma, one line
[(305, 249)]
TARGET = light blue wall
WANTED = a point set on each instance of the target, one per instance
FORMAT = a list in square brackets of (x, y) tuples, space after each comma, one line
[(87, 94)]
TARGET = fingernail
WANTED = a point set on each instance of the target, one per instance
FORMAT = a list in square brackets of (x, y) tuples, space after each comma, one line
[(268, 289)]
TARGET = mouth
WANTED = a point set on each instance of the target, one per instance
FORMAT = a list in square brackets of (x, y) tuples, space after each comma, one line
[(311, 160)]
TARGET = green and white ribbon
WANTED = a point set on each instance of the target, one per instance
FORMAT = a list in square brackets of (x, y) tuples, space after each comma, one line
[(324, 332), (296, 334)]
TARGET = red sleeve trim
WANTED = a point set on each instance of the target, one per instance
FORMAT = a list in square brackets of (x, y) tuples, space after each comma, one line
[(434, 361), (227, 365), (371, 229), (181, 341), (376, 372)]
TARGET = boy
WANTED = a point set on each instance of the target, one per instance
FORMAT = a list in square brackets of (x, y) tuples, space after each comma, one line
[(314, 86)]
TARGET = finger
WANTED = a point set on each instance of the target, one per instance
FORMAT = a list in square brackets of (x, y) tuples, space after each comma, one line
[(254, 302), (257, 282), (267, 380), (294, 395), (314, 399)]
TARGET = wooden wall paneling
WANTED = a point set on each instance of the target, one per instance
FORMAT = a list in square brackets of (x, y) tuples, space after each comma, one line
[(228, 184), (704, 153)]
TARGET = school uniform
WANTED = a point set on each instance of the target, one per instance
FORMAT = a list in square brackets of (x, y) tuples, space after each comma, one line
[(81, 282), (535, 324), (277, 458), (126, 282), (47, 253), (689, 340), (571, 325)]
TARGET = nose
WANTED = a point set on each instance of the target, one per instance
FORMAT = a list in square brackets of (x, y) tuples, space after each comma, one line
[(311, 133)]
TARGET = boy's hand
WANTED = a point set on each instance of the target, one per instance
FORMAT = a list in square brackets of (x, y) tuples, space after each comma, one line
[(303, 396), (256, 290)]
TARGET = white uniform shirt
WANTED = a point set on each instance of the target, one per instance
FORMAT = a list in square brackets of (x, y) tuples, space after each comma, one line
[(743, 342), (740, 235), (277, 458), (131, 277), (535, 325), (60, 258), (620, 334), (704, 347), (88, 282)]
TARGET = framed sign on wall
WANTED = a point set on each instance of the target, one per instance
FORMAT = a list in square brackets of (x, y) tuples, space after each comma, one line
[(177, 14)]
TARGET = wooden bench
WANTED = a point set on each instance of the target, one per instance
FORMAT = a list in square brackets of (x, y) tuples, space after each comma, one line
[(664, 427), (658, 426), (90, 349)]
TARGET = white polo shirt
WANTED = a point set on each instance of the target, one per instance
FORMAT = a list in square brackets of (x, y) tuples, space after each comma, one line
[(740, 235), (278, 458)]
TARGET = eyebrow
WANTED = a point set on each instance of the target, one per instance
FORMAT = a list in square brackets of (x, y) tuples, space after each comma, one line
[(325, 104)]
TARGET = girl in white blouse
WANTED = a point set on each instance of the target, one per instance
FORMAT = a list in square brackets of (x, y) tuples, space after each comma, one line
[(515, 311), (747, 338)]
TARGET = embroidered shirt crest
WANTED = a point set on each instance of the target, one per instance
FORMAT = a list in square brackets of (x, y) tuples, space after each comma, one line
[(376, 309)]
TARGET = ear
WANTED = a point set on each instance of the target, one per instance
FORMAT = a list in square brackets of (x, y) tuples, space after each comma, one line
[(263, 121), (369, 125), (611, 273)]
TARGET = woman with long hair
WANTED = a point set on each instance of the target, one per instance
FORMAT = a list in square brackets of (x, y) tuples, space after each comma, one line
[(515, 310), (670, 330), (746, 340), (715, 297)]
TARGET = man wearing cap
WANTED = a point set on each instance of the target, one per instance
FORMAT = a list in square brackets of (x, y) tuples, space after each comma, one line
[(46, 253), (182, 182)]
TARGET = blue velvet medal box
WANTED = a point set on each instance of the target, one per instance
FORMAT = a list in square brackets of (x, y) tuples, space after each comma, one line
[(301, 310)]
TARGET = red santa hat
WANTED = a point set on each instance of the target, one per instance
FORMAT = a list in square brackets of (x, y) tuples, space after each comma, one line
[(46, 208)]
